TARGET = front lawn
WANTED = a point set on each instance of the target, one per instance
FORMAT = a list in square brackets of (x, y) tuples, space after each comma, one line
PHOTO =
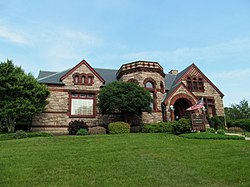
[(124, 160)]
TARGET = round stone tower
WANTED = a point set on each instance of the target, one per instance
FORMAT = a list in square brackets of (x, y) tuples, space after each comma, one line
[(149, 75)]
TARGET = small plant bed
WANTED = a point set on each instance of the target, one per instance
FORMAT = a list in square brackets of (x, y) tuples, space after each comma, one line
[(207, 135)]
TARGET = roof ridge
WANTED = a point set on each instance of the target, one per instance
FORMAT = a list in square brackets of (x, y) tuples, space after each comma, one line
[(56, 73)]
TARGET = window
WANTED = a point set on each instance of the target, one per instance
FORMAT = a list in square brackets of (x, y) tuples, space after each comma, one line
[(149, 85), (82, 104), (83, 79), (195, 85), (162, 87)]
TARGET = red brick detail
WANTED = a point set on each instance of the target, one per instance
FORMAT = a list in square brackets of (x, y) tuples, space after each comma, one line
[(182, 96)]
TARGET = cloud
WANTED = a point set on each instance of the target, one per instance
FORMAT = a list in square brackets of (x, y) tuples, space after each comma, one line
[(13, 36), (213, 53), (235, 74)]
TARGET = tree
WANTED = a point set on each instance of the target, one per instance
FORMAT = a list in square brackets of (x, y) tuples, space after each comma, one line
[(124, 98), (20, 94), (238, 111)]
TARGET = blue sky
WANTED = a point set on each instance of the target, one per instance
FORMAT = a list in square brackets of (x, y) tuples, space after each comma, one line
[(57, 34)]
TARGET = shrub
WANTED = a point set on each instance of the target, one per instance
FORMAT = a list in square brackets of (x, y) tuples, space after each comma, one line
[(217, 122), (211, 130), (157, 127), (235, 129), (242, 123), (20, 134), (75, 126), (118, 128), (220, 131), (82, 132), (97, 130), (181, 126)]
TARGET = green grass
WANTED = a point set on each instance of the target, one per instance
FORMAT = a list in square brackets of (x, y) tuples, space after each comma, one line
[(124, 160), (207, 135)]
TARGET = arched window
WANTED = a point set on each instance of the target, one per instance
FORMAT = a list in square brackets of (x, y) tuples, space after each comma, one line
[(189, 83), (76, 79), (133, 81), (200, 85), (83, 79), (149, 85), (195, 84)]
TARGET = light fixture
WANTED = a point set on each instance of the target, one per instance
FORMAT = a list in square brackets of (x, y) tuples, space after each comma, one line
[(171, 107)]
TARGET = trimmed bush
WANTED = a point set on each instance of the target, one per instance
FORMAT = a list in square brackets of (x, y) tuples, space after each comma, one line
[(211, 130), (217, 122), (220, 131), (118, 128), (181, 126), (242, 123), (75, 126), (97, 130), (160, 127), (235, 129), (20, 134), (82, 132)]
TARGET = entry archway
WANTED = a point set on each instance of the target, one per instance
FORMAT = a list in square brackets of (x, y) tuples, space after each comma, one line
[(180, 107)]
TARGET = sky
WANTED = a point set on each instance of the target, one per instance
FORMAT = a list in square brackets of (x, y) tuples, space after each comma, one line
[(55, 35)]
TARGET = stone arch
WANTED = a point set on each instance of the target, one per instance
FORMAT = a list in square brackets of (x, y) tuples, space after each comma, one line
[(182, 96)]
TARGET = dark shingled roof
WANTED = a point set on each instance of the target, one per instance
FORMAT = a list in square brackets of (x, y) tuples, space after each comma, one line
[(49, 77), (109, 75), (169, 80)]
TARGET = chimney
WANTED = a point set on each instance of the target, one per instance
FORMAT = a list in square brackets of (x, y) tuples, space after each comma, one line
[(173, 72)]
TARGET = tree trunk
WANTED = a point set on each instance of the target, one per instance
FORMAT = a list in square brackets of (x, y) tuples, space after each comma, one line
[(11, 124)]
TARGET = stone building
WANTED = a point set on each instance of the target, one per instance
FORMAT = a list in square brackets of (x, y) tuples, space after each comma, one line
[(73, 93)]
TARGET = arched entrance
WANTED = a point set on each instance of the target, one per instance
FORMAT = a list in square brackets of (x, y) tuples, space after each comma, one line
[(180, 107)]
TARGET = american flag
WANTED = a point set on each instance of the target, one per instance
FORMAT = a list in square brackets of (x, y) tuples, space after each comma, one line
[(198, 105)]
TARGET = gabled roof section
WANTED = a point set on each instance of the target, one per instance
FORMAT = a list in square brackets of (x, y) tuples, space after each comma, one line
[(183, 73), (83, 62), (175, 88)]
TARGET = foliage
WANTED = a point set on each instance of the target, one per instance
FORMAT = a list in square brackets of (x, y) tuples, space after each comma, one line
[(235, 129), (242, 123), (238, 111), (211, 130), (20, 134), (118, 128), (220, 131), (97, 130), (160, 127), (124, 97), (82, 132), (76, 125), (177, 127), (217, 122), (181, 126), (133, 159), (21, 95), (207, 135)]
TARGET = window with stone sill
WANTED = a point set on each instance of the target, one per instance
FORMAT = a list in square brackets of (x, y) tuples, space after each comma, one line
[(82, 105)]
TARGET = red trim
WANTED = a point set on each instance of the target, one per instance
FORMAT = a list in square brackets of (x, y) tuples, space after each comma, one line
[(203, 75), (174, 92), (83, 62), (82, 116)]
